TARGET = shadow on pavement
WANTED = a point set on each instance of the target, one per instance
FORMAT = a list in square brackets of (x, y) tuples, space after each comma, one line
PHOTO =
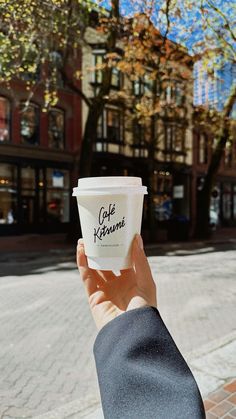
[(189, 248), (28, 263)]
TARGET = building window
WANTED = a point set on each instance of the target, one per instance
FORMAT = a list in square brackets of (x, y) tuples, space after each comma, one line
[(115, 78), (55, 67), (114, 126), (110, 126), (169, 138), (202, 149), (56, 129), (139, 135), (29, 127), (4, 119), (179, 94), (8, 194), (143, 85), (58, 196), (174, 139), (99, 63), (229, 154), (31, 63), (174, 93), (140, 140), (168, 94), (179, 143)]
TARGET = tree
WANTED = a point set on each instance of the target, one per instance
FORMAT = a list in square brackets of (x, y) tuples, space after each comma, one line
[(223, 38), (53, 35), (214, 42)]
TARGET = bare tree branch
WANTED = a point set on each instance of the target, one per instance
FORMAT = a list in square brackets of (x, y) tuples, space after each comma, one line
[(227, 23)]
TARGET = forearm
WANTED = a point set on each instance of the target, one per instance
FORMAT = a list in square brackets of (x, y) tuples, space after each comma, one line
[(141, 372)]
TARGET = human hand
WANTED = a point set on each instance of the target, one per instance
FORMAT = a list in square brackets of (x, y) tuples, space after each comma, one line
[(109, 295)]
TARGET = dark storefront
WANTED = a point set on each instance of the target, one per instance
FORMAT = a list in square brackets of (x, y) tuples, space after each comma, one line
[(34, 197), (171, 191), (223, 202)]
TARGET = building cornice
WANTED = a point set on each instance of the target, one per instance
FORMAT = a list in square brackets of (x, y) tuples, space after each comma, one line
[(33, 153)]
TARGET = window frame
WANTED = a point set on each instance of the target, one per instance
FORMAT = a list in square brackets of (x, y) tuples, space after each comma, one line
[(202, 137), (37, 132), (9, 120), (63, 112), (171, 143), (103, 123), (98, 75)]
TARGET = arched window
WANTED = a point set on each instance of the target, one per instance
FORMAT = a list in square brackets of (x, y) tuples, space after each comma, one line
[(4, 119), (56, 128), (29, 126)]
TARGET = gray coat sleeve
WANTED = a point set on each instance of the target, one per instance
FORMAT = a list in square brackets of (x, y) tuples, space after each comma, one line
[(141, 373)]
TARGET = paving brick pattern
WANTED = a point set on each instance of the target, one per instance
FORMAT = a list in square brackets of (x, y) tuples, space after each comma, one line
[(47, 333), (222, 402)]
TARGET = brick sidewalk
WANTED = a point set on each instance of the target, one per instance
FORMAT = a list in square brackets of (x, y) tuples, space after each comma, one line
[(222, 402)]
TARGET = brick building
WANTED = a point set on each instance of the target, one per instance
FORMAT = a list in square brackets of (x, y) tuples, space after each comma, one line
[(37, 160)]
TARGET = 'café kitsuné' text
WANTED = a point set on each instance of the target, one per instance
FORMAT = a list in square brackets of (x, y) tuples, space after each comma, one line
[(104, 217)]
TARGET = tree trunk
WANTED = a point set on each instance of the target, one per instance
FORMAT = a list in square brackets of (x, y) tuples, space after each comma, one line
[(89, 139)]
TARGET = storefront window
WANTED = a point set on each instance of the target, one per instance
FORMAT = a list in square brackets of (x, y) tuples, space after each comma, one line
[(41, 186), (163, 195), (4, 119), (28, 178), (29, 124), (8, 194), (28, 195), (58, 196), (56, 128)]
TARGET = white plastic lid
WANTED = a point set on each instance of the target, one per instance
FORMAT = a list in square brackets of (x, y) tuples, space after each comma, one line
[(109, 184)]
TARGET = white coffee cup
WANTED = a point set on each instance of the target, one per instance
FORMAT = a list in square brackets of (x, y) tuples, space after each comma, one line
[(110, 210)]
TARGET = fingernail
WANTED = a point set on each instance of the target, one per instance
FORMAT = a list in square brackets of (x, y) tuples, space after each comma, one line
[(139, 241), (80, 241)]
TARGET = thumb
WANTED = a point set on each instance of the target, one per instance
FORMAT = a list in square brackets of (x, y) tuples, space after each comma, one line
[(86, 273), (141, 265)]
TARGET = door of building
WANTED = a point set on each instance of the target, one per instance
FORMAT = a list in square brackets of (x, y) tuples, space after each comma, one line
[(28, 209)]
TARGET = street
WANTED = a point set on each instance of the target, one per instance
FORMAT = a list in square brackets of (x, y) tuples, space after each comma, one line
[(47, 333)]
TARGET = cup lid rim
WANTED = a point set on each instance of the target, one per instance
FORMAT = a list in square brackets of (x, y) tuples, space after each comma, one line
[(111, 190), (109, 181)]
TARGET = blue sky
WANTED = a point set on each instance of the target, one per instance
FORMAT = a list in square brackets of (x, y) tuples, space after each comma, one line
[(187, 27)]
